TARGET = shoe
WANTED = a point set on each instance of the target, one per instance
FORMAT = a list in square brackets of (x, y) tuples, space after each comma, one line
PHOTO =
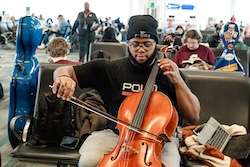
[(42, 46)]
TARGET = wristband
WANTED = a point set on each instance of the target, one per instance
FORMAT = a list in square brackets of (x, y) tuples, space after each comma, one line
[(64, 76)]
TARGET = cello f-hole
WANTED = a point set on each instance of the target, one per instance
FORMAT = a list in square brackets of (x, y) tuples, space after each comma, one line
[(146, 152), (114, 158)]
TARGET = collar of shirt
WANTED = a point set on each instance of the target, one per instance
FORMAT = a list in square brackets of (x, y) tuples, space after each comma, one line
[(56, 59)]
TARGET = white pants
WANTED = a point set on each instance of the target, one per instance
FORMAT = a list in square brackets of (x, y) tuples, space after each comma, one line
[(102, 142)]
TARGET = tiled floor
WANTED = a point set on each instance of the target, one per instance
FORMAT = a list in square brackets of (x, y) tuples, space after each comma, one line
[(7, 64)]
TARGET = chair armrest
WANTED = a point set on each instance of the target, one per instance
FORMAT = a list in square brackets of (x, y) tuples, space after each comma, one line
[(21, 135), (7, 34), (8, 37)]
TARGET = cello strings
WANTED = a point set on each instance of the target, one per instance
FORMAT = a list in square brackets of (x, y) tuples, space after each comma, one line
[(99, 112), (125, 155), (141, 109), (114, 119)]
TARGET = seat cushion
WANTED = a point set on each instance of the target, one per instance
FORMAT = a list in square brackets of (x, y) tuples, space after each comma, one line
[(48, 154)]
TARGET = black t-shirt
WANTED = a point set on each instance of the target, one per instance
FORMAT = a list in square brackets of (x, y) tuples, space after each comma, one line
[(116, 79)]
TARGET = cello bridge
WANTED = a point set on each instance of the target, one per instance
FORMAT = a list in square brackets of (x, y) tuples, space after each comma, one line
[(126, 148)]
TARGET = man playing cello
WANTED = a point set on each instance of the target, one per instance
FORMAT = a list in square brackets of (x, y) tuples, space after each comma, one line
[(118, 78)]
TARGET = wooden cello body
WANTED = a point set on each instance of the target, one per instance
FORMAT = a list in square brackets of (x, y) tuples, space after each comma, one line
[(155, 119)]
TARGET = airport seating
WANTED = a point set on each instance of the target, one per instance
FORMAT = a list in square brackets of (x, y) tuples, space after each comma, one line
[(50, 154), (223, 95), (212, 73), (12, 26), (244, 58), (213, 40), (67, 32), (7, 36), (115, 50), (206, 34), (160, 36)]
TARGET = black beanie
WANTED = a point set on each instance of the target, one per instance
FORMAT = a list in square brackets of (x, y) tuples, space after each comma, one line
[(142, 26)]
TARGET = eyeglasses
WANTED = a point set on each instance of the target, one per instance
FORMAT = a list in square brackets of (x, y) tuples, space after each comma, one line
[(145, 45)]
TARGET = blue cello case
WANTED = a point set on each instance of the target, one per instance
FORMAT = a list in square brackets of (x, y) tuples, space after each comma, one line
[(228, 61), (23, 82)]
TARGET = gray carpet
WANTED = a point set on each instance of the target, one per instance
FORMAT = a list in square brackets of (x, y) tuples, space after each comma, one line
[(7, 64)]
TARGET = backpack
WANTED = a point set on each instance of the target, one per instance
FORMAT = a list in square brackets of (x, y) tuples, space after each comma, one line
[(55, 119)]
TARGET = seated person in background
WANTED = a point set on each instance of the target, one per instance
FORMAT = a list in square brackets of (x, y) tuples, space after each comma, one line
[(58, 50), (170, 28), (109, 35), (214, 39), (188, 27), (247, 29), (179, 30), (173, 39), (192, 46), (210, 26), (59, 31), (14, 22), (240, 44)]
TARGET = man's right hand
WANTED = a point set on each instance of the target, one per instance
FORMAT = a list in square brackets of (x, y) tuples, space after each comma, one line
[(64, 87)]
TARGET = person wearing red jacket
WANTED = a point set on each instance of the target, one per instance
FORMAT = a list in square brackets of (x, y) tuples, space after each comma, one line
[(58, 50), (193, 48)]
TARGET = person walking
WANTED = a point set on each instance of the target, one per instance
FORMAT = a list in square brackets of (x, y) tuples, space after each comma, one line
[(86, 23)]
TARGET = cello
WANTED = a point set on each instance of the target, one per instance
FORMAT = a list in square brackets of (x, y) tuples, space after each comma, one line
[(151, 120)]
